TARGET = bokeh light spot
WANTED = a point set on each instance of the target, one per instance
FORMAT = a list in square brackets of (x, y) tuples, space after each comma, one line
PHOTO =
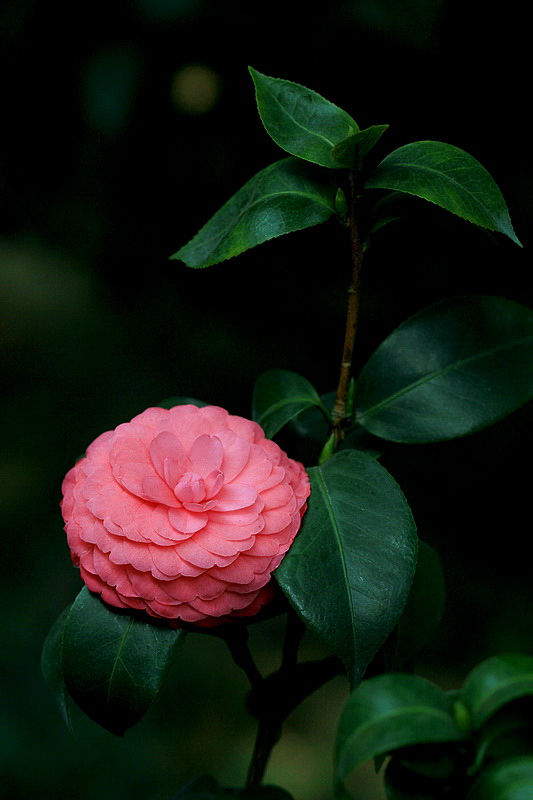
[(195, 89)]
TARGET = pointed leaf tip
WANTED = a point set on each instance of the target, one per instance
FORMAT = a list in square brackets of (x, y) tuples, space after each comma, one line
[(300, 120), (449, 177), (358, 535)]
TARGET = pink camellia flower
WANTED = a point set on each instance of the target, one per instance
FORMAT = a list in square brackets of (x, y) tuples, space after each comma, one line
[(183, 513)]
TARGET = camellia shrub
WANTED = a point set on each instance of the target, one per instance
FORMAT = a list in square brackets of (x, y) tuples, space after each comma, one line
[(188, 519)]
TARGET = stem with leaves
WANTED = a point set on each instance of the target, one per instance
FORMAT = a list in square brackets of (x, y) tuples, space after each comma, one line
[(273, 698), (340, 407)]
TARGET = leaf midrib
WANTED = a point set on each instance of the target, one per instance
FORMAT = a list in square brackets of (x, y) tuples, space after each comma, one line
[(117, 660), (304, 400), (204, 242), (329, 507), (444, 176), (437, 373), (299, 124)]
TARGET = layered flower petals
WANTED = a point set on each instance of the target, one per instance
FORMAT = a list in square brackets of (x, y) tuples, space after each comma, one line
[(183, 513)]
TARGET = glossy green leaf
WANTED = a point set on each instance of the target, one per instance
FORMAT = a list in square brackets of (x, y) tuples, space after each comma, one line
[(508, 779), (449, 177), (349, 571), (389, 712), (280, 395), (299, 120), (284, 197), (52, 666), (494, 683), (451, 369), (350, 152), (114, 663)]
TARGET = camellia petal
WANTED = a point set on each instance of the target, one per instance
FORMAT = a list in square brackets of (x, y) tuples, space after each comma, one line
[(166, 447), (206, 455), (183, 513), (236, 496)]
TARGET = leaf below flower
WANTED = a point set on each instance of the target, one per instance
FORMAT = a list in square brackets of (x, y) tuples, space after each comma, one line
[(113, 663), (349, 570)]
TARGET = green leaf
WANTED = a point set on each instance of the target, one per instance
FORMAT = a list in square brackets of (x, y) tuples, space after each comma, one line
[(284, 197), (349, 570), (350, 152), (425, 605), (494, 683), (508, 732), (389, 208), (279, 395), (449, 177), (114, 663), (509, 779), (52, 666), (451, 369), (389, 712), (299, 120)]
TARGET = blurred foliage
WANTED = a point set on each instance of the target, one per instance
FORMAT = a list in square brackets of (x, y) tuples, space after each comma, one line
[(125, 127)]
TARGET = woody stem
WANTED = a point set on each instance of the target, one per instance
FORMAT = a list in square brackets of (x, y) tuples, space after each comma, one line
[(340, 407)]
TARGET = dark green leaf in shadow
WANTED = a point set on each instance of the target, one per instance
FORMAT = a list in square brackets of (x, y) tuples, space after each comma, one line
[(449, 177), (311, 424), (389, 208), (299, 120), (451, 369), (389, 712), (508, 732), (494, 683), (404, 783), (52, 666), (279, 396), (509, 779), (424, 608), (349, 570), (350, 152), (312, 428), (114, 663), (284, 197)]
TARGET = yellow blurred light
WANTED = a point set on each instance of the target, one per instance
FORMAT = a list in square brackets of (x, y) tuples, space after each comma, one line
[(195, 89)]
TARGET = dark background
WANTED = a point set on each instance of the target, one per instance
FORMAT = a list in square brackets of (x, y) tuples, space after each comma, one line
[(125, 126)]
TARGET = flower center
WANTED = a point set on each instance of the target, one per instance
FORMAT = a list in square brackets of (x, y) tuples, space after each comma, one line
[(190, 488)]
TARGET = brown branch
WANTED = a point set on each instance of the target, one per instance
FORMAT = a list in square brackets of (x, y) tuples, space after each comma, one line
[(340, 407)]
